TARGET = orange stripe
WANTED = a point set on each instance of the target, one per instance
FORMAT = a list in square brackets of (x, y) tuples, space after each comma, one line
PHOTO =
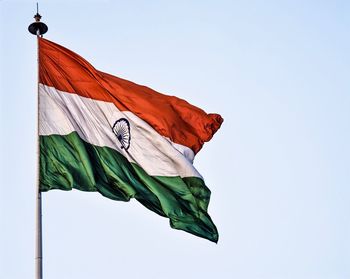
[(170, 116)]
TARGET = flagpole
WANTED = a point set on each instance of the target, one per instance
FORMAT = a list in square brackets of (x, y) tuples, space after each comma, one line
[(39, 240), (38, 28)]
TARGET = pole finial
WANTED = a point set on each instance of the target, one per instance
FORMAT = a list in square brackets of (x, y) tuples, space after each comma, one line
[(37, 28)]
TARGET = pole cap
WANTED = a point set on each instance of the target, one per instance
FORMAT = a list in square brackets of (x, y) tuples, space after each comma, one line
[(37, 28)]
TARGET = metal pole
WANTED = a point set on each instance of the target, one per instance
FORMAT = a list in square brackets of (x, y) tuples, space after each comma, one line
[(39, 240), (38, 248), (38, 28)]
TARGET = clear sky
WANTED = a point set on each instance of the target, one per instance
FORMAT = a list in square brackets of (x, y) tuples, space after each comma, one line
[(279, 168)]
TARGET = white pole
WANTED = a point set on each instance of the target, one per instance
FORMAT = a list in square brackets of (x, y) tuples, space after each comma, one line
[(39, 240), (38, 250)]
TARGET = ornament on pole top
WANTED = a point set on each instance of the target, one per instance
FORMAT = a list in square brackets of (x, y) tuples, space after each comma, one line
[(37, 28)]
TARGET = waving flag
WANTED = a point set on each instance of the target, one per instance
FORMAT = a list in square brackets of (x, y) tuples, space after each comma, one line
[(102, 133)]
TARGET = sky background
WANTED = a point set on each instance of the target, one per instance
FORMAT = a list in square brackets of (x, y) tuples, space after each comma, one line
[(279, 168)]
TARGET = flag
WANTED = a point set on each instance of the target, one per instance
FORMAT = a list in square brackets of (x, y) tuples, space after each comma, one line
[(101, 133)]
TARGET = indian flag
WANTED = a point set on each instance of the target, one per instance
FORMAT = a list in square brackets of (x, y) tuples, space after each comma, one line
[(101, 133)]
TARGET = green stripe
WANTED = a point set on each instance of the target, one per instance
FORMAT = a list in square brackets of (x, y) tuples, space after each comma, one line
[(68, 162)]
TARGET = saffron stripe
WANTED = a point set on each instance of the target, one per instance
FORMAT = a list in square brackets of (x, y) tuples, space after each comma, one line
[(171, 117)]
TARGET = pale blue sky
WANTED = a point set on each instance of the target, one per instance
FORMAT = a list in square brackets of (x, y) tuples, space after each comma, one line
[(279, 168)]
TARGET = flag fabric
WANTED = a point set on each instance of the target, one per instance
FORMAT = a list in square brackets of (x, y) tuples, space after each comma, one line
[(105, 134)]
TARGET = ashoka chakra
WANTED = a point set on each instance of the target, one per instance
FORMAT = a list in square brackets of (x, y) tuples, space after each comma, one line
[(121, 129)]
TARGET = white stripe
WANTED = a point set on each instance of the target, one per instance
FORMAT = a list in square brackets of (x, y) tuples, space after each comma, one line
[(61, 113)]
